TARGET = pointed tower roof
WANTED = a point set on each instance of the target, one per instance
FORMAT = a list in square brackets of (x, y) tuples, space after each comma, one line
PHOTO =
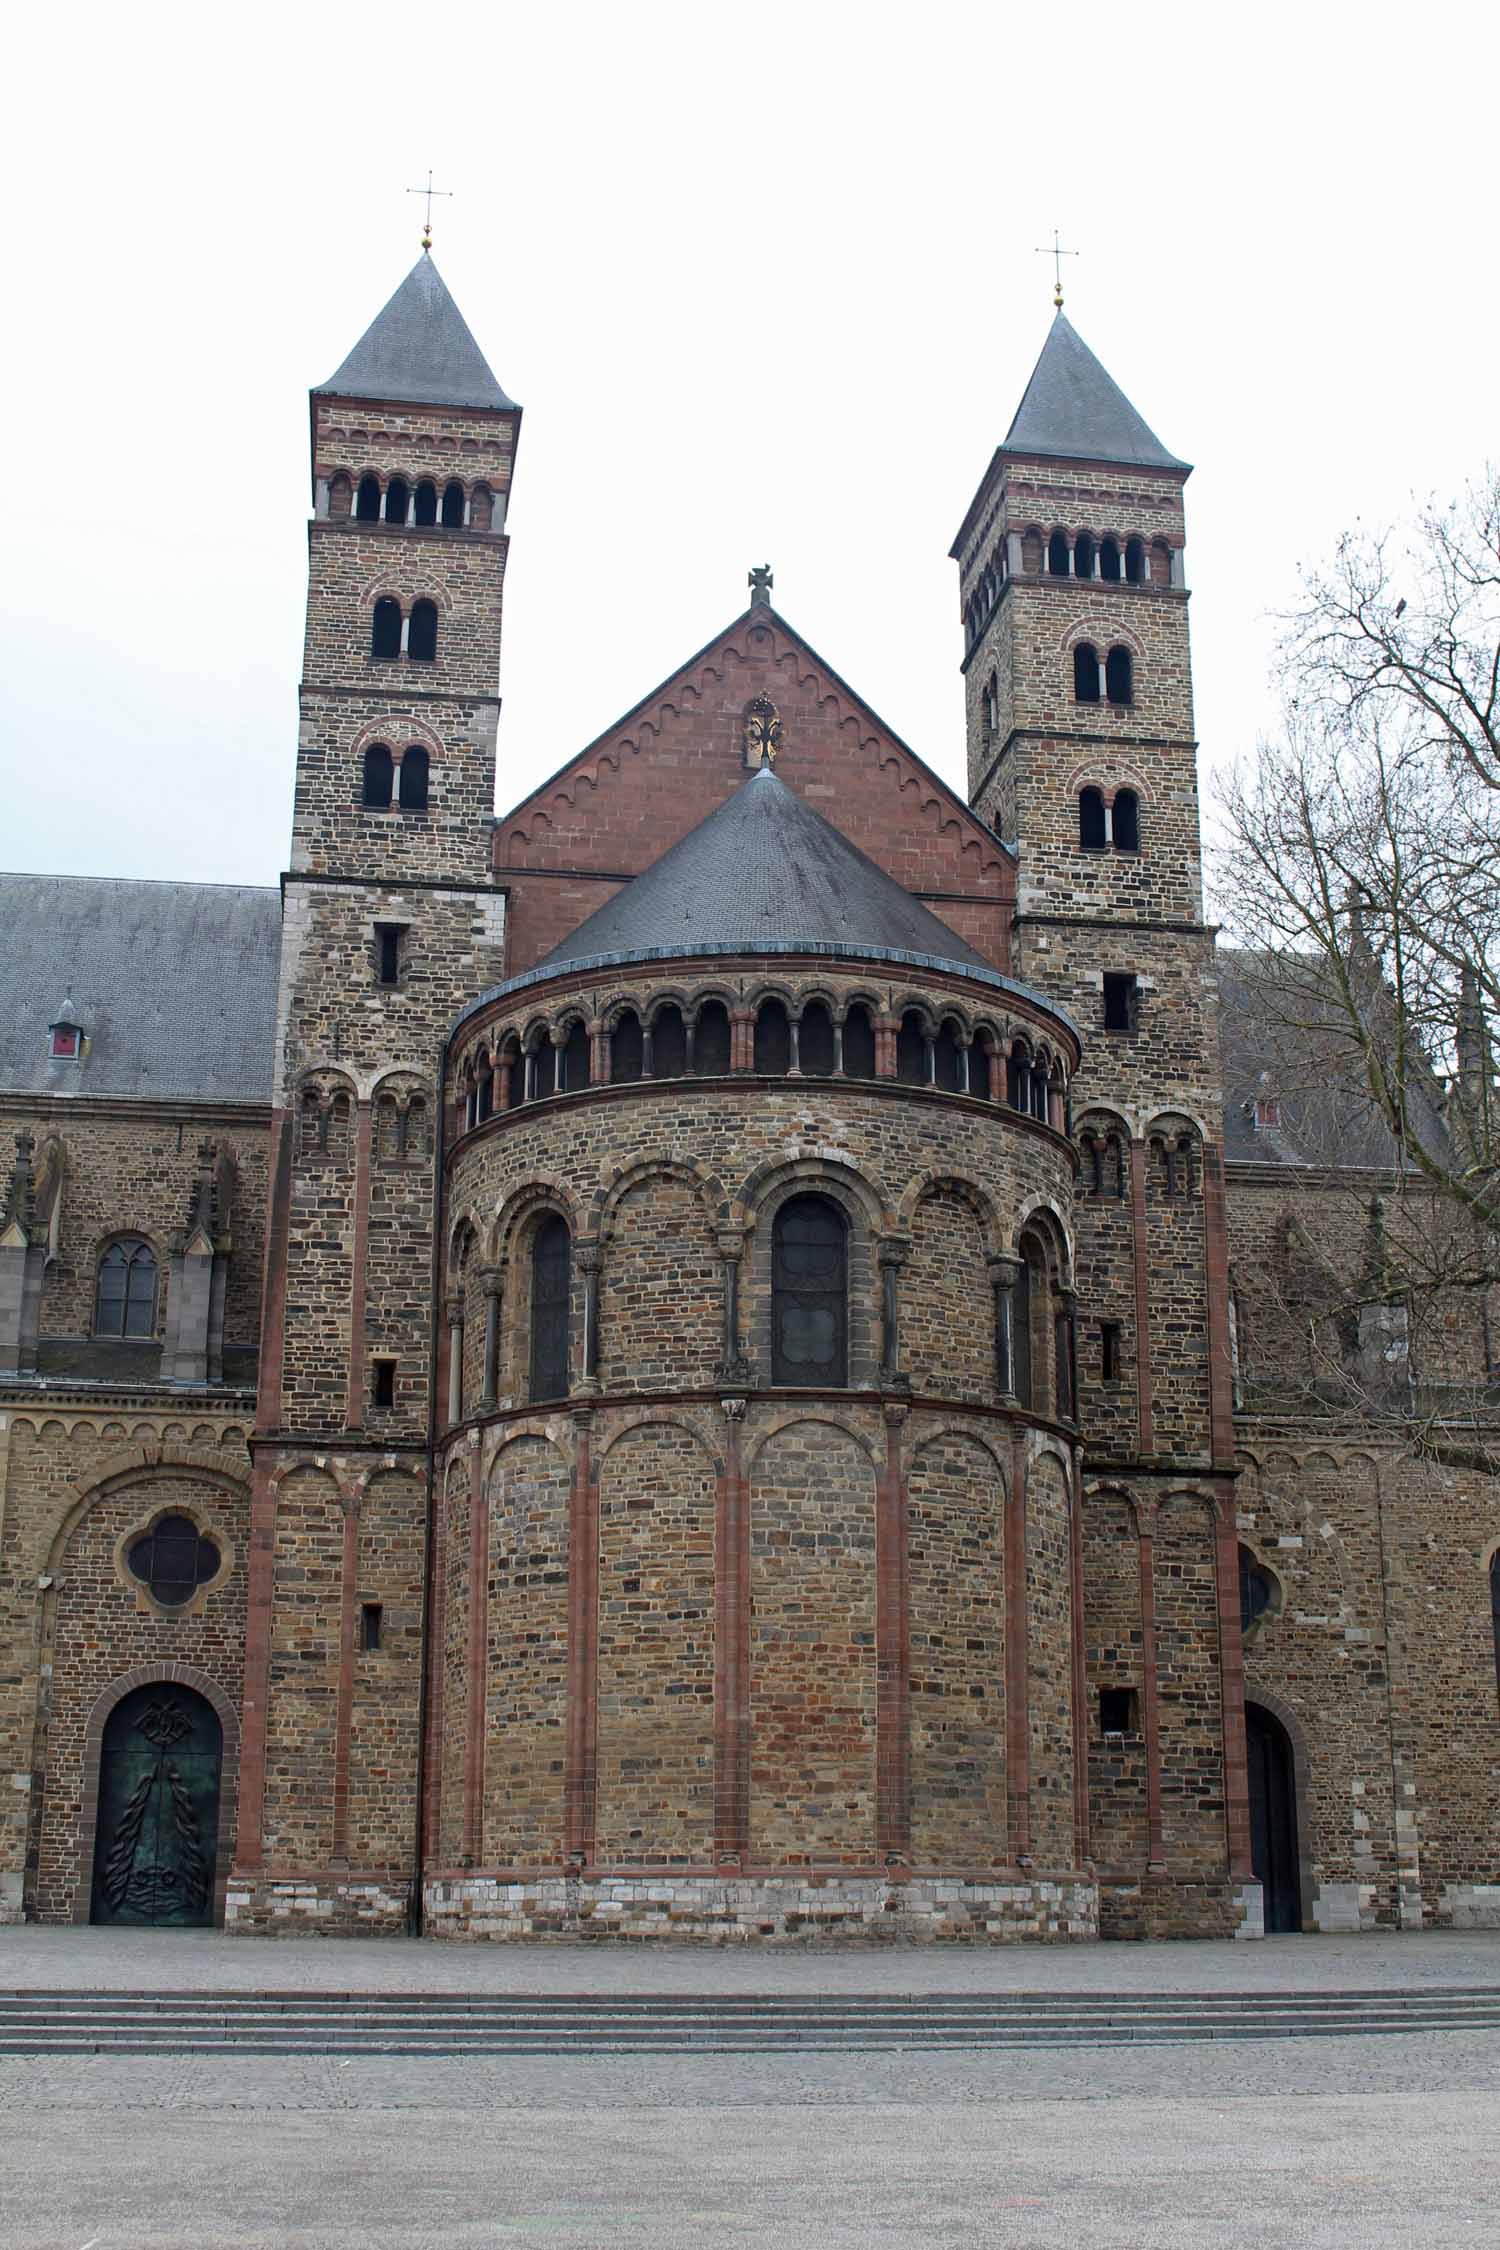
[(420, 348), (763, 874), (1072, 408)]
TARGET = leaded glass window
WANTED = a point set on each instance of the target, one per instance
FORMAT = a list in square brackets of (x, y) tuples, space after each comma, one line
[(809, 1293), (174, 1559), (125, 1303)]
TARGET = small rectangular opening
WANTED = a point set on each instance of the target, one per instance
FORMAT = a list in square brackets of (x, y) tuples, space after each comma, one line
[(369, 1626), (388, 952), (385, 1382), (1109, 1351), (1122, 1001), (1117, 1710)]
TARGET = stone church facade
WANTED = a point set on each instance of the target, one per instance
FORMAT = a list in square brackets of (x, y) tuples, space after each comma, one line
[(710, 1358)]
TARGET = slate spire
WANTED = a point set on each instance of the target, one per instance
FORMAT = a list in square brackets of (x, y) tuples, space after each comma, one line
[(419, 347), (1072, 408)]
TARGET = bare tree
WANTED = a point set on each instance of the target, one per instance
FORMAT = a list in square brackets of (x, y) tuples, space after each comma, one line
[(1361, 885)]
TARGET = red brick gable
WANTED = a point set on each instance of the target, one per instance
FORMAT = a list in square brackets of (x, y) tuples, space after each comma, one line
[(614, 809)]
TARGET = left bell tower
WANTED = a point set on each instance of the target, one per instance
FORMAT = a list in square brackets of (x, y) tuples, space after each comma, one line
[(391, 922)]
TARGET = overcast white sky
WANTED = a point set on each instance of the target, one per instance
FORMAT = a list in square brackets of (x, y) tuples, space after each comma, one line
[(763, 280)]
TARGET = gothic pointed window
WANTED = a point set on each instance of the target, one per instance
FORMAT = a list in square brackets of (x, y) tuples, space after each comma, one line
[(385, 630), (551, 1278), (125, 1298), (414, 779), (809, 1293), (421, 639), (377, 790)]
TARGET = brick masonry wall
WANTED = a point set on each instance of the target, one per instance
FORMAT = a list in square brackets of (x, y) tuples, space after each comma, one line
[(958, 1650), (526, 1675)]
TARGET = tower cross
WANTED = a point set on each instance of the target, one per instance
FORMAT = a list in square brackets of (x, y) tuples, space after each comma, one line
[(429, 191), (1055, 251)]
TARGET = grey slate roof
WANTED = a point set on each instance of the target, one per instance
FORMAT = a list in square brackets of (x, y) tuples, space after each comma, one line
[(763, 870), (1073, 408), (174, 985), (419, 347)]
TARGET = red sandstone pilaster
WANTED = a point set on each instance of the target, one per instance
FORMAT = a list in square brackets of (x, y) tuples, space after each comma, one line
[(1017, 1663), (583, 1651), (893, 1653), (1146, 1519), (478, 1658), (731, 1651), (1080, 1669), (354, 1410), (1232, 1685), (436, 1646), (1142, 1294), (259, 1574)]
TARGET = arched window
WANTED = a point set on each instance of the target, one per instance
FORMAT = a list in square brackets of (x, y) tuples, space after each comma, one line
[(1091, 819), (1258, 1589), (340, 494), (551, 1288), (377, 794), (1135, 561), (809, 1293), (711, 1040), (1085, 672), (668, 1043), (1021, 1358), (990, 709), (367, 504), (626, 1049), (421, 639), (859, 1043), (911, 1050), (1083, 555), (1127, 821), (482, 508), (542, 1070), (1041, 1081), (573, 1058), (516, 1082), (1057, 555), (173, 1560), (1109, 560), (947, 1060), (125, 1301), (1117, 675), (453, 505), (815, 1041), (414, 779), (396, 500), (385, 630), (425, 511), (484, 1094), (773, 1040)]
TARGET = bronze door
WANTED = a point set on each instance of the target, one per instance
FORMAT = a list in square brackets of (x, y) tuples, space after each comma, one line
[(158, 1825)]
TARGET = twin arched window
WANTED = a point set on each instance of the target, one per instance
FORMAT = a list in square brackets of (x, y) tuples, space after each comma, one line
[(381, 783), (125, 1297), (1102, 823), (1112, 681), (389, 630)]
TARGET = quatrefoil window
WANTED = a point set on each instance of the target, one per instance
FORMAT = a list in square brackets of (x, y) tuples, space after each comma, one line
[(173, 1559)]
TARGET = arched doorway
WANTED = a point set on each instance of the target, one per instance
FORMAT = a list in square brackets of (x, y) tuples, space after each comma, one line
[(1273, 1819), (158, 1828)]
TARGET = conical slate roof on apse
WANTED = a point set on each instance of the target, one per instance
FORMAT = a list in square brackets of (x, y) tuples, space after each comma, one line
[(763, 872), (1073, 408), (420, 348)]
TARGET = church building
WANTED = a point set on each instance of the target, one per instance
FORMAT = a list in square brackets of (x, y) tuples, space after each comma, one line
[(717, 1357)]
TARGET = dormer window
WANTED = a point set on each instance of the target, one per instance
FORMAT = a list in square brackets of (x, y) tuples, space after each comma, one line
[(67, 1042), (1267, 1108)]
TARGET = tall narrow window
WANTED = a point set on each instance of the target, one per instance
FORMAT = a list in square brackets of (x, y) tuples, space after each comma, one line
[(573, 1059), (367, 504), (1109, 560), (626, 1049), (1085, 672), (911, 1050), (1257, 1589), (947, 1060), (414, 779), (815, 1041), (809, 1293), (1057, 555), (385, 1382), (482, 508), (1117, 676), (773, 1041), (385, 630), (369, 1627), (425, 511), (1127, 821), (1018, 1077), (377, 777), (421, 639), (453, 505), (1122, 1002), (395, 500), (859, 1043), (388, 952), (516, 1083), (125, 1301), (668, 1043), (551, 1276), (1135, 561), (1091, 819), (1083, 555), (1020, 1334), (711, 1040), (1109, 1351)]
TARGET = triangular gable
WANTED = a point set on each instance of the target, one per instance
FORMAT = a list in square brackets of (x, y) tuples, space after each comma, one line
[(643, 784)]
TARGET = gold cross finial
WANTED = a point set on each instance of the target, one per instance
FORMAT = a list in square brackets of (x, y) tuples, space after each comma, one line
[(429, 191), (1055, 251)]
